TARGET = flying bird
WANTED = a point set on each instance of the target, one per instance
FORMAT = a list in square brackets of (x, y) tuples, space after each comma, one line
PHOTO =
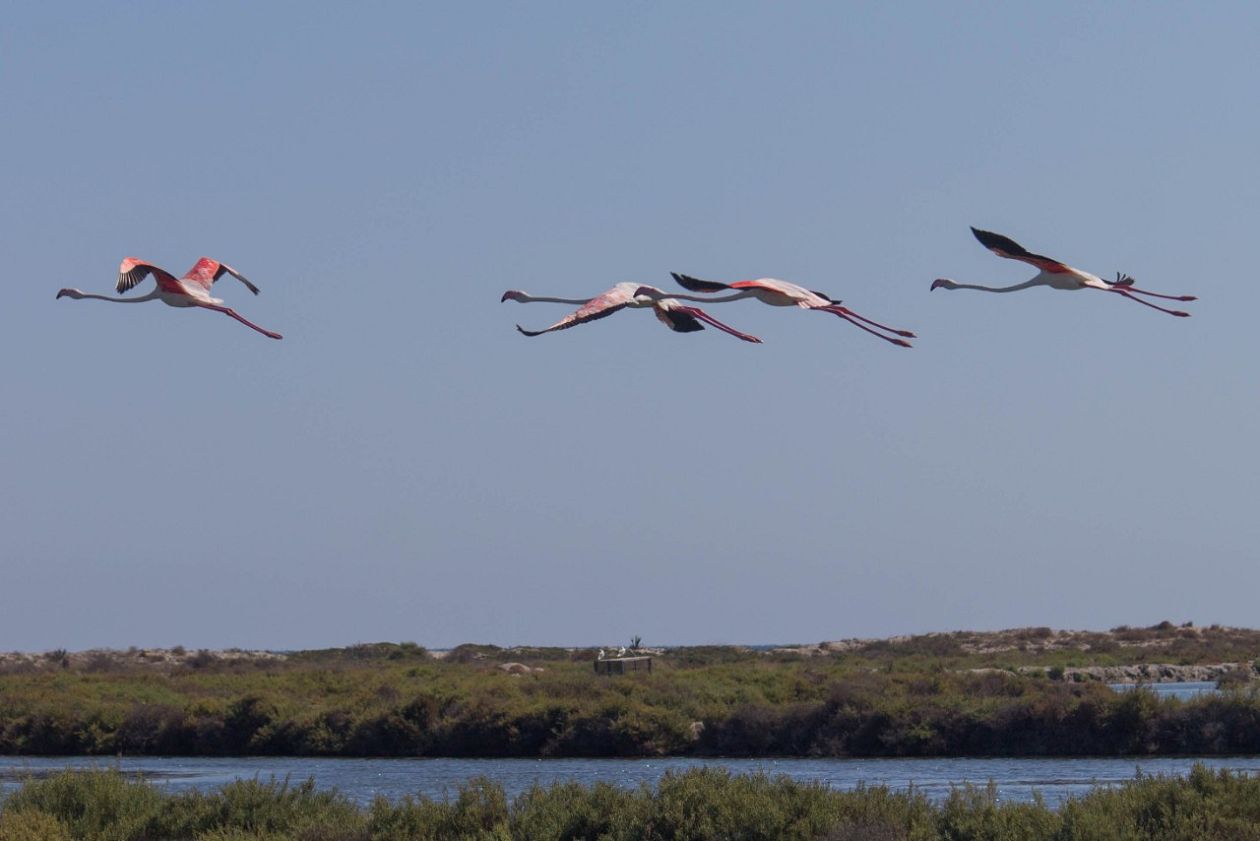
[(1058, 275), (780, 293), (672, 313), (192, 290)]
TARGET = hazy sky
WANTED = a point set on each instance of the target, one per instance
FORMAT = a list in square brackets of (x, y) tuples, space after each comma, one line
[(406, 466)]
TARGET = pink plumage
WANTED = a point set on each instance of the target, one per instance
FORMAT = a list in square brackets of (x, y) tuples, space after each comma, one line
[(193, 290)]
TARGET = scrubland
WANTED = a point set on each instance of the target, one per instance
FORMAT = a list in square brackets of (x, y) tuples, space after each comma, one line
[(699, 804), (1004, 693)]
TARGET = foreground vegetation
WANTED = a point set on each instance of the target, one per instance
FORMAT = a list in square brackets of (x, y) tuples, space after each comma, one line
[(697, 804), (921, 696)]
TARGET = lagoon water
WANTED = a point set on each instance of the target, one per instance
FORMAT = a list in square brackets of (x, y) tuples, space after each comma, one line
[(1185, 691), (364, 779)]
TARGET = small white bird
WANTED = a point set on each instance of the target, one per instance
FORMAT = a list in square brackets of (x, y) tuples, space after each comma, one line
[(1057, 275)]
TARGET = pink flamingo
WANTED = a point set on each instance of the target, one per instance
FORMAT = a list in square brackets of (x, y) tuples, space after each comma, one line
[(1057, 275), (192, 290), (671, 312), (780, 293)]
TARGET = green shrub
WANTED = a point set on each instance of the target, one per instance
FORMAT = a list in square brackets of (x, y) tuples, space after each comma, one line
[(925, 695), (91, 804), (31, 825), (700, 804)]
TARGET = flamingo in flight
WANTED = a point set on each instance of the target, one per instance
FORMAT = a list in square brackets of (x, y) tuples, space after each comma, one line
[(672, 313), (1058, 275), (780, 293), (192, 290)]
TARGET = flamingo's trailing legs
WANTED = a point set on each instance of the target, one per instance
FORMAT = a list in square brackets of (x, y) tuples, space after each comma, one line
[(1058, 275), (192, 290), (672, 313), (780, 293)]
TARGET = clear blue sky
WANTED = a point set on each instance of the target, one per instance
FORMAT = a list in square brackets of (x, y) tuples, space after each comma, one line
[(406, 466)]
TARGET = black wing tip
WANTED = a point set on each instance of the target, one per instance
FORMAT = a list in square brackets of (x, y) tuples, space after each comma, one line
[(525, 332), (1004, 244), (695, 284), (224, 267), (984, 236), (680, 319), (249, 284)]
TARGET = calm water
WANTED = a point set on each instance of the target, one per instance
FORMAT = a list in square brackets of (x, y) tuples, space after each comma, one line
[(1184, 691), (364, 779)]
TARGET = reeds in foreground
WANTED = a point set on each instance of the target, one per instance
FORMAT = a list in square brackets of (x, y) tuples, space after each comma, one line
[(695, 804)]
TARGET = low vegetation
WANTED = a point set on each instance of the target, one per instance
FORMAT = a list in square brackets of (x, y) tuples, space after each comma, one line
[(941, 694), (697, 804)]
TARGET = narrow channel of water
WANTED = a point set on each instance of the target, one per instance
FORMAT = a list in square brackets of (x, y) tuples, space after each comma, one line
[(1185, 690), (364, 779)]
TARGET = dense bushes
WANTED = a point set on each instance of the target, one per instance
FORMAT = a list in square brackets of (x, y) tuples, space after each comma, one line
[(697, 804), (902, 697), (1042, 723), (746, 707)]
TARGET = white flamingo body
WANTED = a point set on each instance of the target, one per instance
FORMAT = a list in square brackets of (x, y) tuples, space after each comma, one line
[(781, 293), (1056, 275), (192, 290), (670, 311)]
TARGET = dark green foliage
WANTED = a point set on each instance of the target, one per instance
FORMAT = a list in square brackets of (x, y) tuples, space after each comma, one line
[(106, 804), (698, 804), (31, 825), (937, 694)]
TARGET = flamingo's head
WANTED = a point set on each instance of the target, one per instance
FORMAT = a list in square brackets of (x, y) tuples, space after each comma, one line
[(512, 295), (943, 283), (69, 293)]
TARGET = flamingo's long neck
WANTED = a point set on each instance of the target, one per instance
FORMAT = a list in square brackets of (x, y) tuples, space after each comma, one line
[(709, 299), (150, 297), (526, 298), (1036, 281)]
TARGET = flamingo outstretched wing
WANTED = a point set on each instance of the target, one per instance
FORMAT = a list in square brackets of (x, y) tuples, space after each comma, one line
[(1009, 248), (790, 291), (207, 270), (133, 270), (598, 307)]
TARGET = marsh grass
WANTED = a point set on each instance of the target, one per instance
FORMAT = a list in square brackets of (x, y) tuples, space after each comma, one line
[(903, 697), (699, 804)]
